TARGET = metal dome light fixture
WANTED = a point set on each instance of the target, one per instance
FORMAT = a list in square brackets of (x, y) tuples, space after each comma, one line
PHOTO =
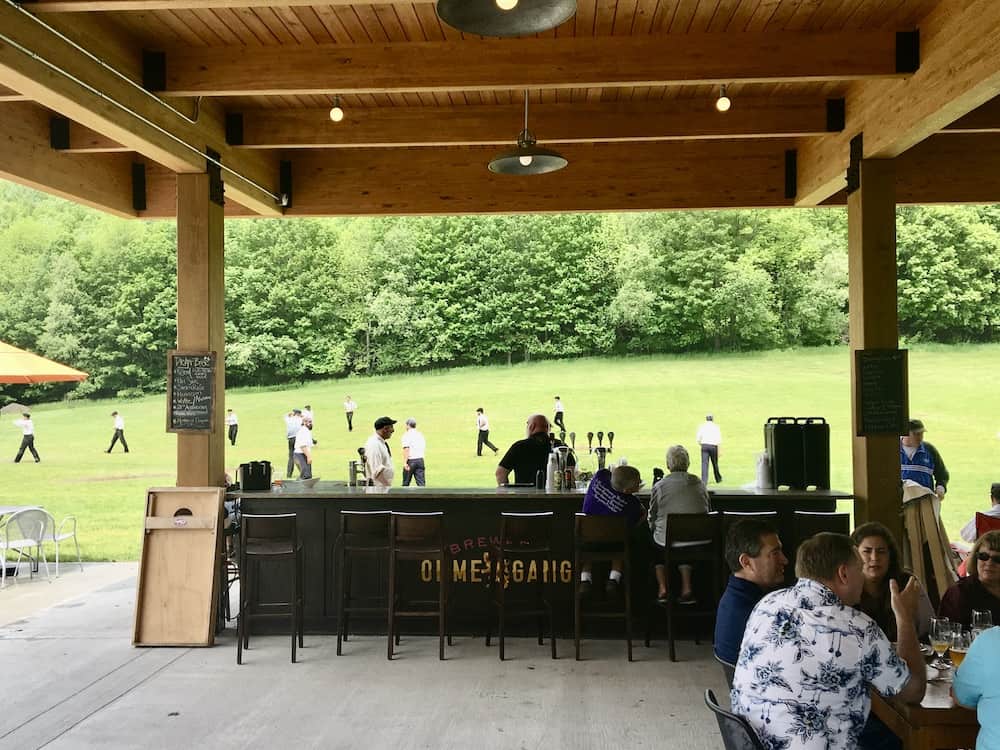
[(528, 158), (505, 17)]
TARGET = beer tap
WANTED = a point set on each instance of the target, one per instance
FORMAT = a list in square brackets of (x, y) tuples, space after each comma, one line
[(572, 441), (562, 436), (611, 441), (600, 437), (590, 442)]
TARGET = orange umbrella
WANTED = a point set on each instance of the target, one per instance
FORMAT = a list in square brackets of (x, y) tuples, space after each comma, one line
[(19, 366)]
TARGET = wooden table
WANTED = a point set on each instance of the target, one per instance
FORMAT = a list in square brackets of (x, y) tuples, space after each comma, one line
[(935, 724)]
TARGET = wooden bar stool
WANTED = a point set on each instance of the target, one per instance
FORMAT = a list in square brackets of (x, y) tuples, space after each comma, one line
[(418, 537), (601, 538), (363, 534), (524, 537), (268, 539), (691, 538)]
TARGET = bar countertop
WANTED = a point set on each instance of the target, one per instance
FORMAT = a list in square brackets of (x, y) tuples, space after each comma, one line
[(340, 491)]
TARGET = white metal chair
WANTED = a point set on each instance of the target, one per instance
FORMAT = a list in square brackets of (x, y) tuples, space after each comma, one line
[(65, 530), (23, 531)]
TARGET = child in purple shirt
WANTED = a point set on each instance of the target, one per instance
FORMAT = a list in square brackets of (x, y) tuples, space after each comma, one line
[(612, 493)]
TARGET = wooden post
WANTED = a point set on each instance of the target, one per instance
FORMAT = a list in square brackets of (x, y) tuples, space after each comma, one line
[(871, 222), (201, 319)]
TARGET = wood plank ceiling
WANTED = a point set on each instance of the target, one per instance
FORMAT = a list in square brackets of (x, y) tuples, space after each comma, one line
[(202, 37)]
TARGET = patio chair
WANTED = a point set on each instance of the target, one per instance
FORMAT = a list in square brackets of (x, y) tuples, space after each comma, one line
[(23, 531), (65, 530), (729, 670), (736, 731)]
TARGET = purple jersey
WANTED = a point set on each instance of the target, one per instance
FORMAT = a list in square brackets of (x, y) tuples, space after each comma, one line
[(604, 500)]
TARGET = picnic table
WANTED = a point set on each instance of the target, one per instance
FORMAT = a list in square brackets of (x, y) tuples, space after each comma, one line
[(936, 723)]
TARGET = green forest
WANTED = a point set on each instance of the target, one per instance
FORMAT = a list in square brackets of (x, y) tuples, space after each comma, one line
[(321, 298)]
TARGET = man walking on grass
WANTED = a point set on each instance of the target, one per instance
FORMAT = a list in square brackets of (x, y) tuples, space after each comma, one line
[(27, 437), (483, 425), (119, 432)]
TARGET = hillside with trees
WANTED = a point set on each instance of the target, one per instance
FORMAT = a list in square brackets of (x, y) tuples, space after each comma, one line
[(321, 298)]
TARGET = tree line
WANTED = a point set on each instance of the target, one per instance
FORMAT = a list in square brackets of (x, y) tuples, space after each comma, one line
[(321, 298)]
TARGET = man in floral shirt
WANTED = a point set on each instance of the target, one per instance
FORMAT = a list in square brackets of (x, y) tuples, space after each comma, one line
[(809, 658)]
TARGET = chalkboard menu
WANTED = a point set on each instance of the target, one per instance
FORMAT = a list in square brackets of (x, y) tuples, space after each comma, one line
[(190, 391), (881, 391)]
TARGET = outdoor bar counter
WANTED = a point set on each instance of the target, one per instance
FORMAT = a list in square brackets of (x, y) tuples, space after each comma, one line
[(471, 517)]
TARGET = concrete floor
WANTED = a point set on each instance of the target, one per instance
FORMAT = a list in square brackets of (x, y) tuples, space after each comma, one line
[(71, 680)]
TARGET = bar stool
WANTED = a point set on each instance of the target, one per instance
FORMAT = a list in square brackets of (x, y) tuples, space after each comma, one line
[(362, 534), (523, 536), (601, 538), (418, 536), (268, 539), (691, 538)]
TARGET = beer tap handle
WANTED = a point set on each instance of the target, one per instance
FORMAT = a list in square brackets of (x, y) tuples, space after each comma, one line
[(562, 436), (600, 437), (572, 441), (611, 441), (590, 442)]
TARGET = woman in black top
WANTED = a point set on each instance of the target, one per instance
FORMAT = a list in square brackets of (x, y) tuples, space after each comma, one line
[(880, 564)]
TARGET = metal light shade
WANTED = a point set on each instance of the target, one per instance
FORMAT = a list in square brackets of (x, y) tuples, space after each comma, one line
[(542, 160), (486, 18), (528, 157)]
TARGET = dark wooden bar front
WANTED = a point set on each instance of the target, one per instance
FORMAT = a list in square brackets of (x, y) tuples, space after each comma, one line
[(472, 516)]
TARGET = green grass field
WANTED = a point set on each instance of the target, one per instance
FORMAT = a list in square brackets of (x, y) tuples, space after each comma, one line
[(649, 403)]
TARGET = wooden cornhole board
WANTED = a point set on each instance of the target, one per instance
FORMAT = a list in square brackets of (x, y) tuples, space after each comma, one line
[(179, 568)]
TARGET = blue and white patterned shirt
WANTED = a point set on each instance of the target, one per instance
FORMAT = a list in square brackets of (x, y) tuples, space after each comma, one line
[(805, 667)]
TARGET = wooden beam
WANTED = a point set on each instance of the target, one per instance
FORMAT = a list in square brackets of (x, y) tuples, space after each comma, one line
[(9, 95), (600, 177), (201, 321), (605, 122), (27, 158), (984, 119), (83, 140), (959, 71), (153, 130), (564, 62), (871, 240), (963, 168), (79, 6)]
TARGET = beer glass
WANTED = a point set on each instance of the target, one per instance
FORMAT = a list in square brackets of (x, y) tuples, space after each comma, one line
[(941, 635), (960, 643)]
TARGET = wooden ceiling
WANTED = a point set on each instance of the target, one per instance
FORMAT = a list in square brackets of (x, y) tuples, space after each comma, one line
[(613, 80)]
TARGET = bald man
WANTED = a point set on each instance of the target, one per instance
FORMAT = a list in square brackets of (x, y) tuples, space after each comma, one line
[(528, 456)]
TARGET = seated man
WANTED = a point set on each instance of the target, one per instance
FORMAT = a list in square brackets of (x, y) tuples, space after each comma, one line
[(976, 686), (809, 658), (968, 532), (612, 493), (757, 562), (525, 458)]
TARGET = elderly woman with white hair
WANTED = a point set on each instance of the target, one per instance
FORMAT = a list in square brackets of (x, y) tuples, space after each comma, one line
[(678, 492)]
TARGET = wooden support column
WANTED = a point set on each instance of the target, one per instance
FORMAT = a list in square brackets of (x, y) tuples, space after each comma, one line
[(201, 319), (871, 220)]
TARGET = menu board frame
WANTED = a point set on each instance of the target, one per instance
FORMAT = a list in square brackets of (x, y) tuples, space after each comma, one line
[(171, 355), (884, 365)]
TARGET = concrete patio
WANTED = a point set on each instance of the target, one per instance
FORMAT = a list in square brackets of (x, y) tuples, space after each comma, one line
[(74, 681)]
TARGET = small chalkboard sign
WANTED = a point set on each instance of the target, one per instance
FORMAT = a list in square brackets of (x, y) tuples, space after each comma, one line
[(190, 391), (881, 391)]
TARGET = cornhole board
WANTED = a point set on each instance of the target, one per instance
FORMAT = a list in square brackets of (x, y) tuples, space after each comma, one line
[(179, 569)]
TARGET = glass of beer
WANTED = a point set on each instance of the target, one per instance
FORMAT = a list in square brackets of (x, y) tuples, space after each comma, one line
[(941, 637), (960, 643)]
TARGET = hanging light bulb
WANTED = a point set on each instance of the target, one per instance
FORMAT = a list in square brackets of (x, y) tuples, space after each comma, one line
[(528, 158), (506, 4), (336, 113), (723, 103)]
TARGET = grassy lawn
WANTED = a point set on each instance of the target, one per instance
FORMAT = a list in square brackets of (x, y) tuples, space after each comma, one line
[(648, 402)]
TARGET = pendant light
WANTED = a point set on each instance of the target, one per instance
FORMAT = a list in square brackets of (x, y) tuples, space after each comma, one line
[(505, 17), (528, 157), (723, 103)]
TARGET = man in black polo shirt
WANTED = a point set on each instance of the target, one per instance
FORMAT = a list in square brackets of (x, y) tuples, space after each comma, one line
[(757, 562), (528, 456)]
